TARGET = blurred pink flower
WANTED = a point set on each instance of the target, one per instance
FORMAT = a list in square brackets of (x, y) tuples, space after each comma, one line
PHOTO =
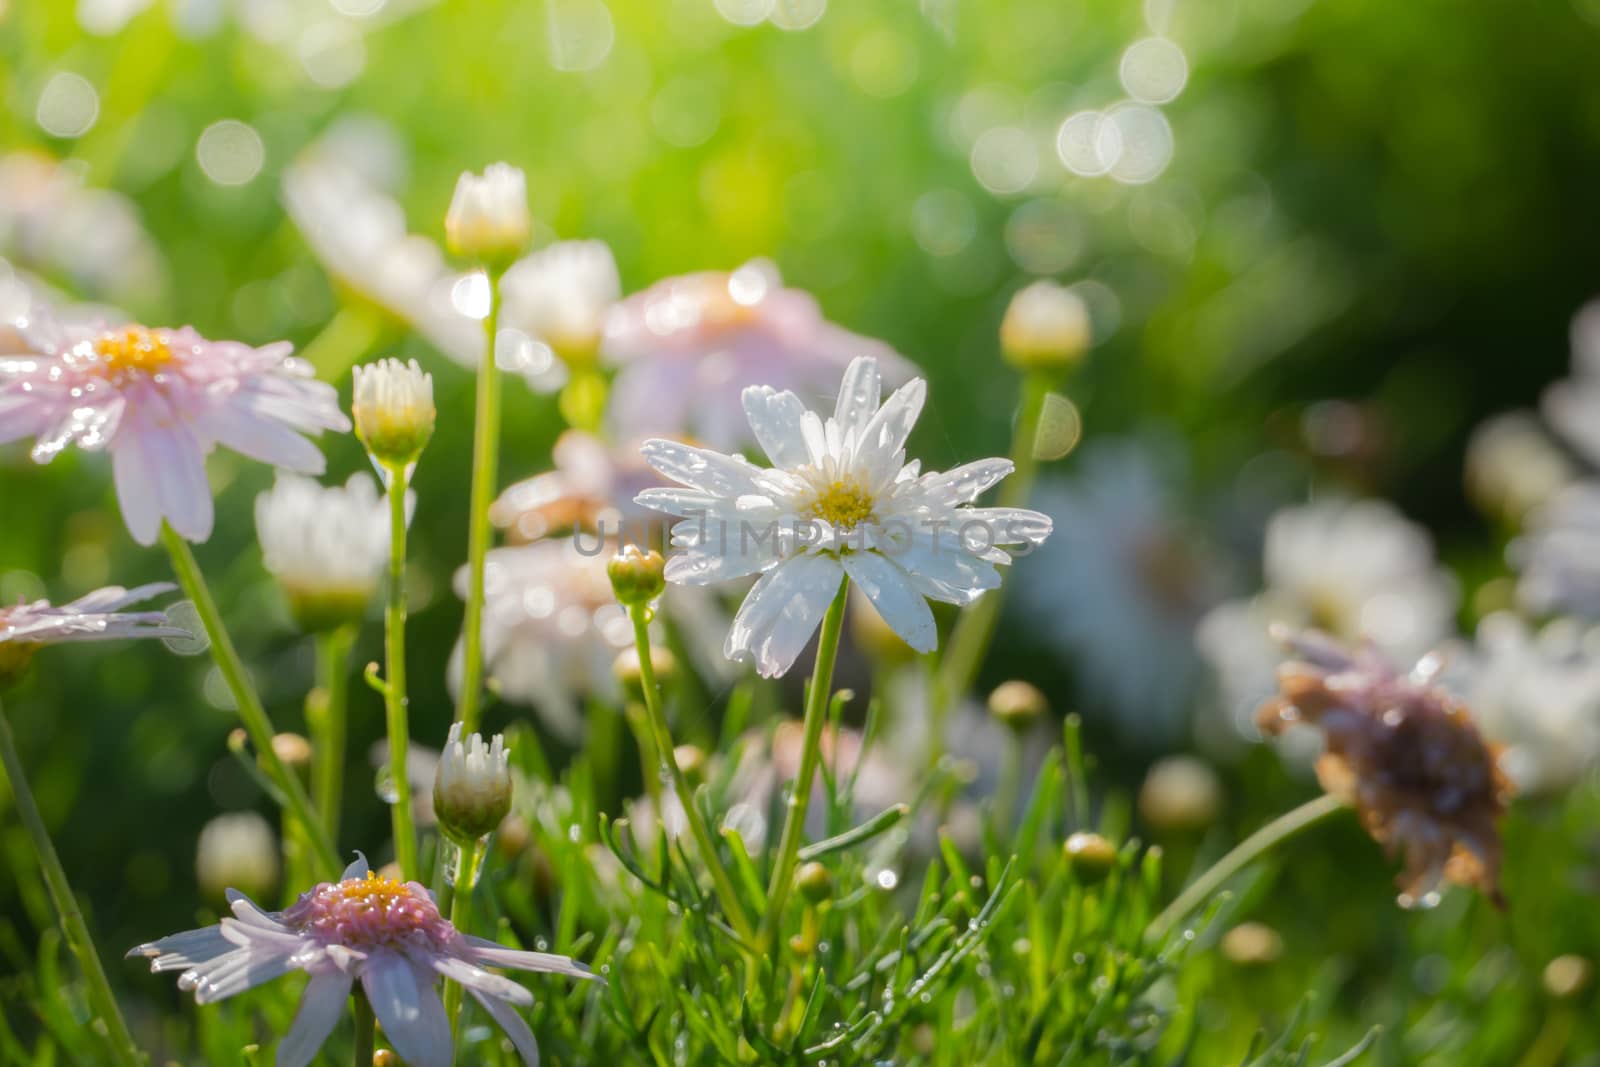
[(159, 401), (689, 346), (385, 933)]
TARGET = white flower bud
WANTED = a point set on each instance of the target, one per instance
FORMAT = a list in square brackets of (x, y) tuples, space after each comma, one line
[(488, 221), (472, 788), (393, 410), (236, 851), (1045, 328)]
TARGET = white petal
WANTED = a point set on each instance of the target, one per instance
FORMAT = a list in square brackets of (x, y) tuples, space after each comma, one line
[(858, 396), (689, 503), (1010, 526), (709, 568), (941, 569), (962, 485), (490, 954), (515, 1026), (321, 1006), (252, 434), (701, 468), (182, 951), (160, 473), (357, 869), (882, 441), (479, 980), (891, 592), (248, 912), (409, 1010), (782, 611), (775, 419), (243, 970)]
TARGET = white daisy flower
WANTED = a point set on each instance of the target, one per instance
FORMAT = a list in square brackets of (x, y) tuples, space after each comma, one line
[(841, 501)]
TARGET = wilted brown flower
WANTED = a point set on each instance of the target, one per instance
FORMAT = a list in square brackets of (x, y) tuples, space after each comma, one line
[(1404, 754)]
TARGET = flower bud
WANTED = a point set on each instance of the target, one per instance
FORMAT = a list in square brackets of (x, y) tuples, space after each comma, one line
[(1017, 705), (637, 576), (1046, 328), (236, 851), (14, 659), (1252, 944), (386, 1058), (1180, 794), (292, 750), (1090, 856), (1568, 977), (626, 670), (472, 787), (691, 760), (814, 882), (488, 220), (393, 410)]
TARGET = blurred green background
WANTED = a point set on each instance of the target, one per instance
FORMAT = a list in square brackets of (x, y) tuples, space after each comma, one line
[(1388, 205)]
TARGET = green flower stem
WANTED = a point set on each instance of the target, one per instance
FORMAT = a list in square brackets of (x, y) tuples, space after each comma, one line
[(969, 640), (485, 448), (251, 713), (794, 819), (471, 858), (366, 1029), (396, 702), (1245, 852), (66, 905), (329, 724), (667, 757)]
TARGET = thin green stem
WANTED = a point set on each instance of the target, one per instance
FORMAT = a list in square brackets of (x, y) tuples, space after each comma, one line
[(667, 757), (1245, 852), (485, 454), (461, 918), (366, 1029), (794, 819), (395, 700), (66, 905), (251, 713), (974, 630), (329, 724)]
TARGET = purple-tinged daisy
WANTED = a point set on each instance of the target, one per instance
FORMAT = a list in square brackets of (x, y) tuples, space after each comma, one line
[(25, 626), (159, 400), (387, 934)]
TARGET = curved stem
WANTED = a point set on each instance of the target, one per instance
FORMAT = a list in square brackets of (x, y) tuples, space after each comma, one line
[(251, 714), (366, 1029), (810, 754), (396, 702), (1251, 848), (328, 752), (665, 756), (461, 917), (485, 445), (66, 905), (970, 638)]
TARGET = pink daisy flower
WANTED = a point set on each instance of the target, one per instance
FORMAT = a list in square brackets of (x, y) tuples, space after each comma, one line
[(159, 401), (387, 934), (96, 617), (689, 346)]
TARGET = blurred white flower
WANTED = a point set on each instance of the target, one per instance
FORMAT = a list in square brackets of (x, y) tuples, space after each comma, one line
[(1355, 569), (1140, 579), (689, 346), (1513, 467), (236, 851), (591, 488), (559, 297), (359, 234), (53, 223), (1537, 692), (327, 546), (1046, 326), (1558, 554), (488, 220), (1573, 405), (551, 629)]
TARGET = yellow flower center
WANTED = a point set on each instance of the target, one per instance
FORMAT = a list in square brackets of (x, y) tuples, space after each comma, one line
[(132, 349), (843, 503), (374, 890)]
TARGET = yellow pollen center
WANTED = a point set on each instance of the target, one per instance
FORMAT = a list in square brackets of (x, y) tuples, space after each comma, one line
[(843, 503), (374, 889), (132, 349)]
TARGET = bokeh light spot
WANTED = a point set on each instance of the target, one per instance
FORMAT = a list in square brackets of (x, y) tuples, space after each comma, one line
[(1154, 70), (68, 105), (230, 152)]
